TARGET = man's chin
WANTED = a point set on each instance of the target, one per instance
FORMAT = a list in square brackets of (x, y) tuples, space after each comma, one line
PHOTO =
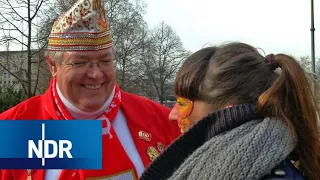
[(91, 106)]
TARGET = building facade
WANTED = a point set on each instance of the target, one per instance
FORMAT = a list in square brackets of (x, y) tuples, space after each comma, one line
[(13, 69)]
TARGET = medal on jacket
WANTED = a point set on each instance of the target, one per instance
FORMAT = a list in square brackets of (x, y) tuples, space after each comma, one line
[(160, 146), (145, 136), (29, 177), (152, 153)]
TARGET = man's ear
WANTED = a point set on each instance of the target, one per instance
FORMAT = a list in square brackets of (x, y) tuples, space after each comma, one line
[(52, 66)]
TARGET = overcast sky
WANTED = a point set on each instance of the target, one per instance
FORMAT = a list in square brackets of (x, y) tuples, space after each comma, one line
[(276, 26)]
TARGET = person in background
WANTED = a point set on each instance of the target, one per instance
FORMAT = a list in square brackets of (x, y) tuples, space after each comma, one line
[(243, 116), (83, 86)]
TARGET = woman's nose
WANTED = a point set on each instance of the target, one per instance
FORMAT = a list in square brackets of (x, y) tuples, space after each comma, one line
[(173, 116)]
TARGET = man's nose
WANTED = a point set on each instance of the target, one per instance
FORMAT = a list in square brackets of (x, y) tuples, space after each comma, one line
[(94, 71)]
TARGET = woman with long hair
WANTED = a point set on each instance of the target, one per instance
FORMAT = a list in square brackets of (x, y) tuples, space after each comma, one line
[(243, 116)]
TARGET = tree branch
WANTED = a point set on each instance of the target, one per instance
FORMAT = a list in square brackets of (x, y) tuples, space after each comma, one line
[(15, 12), (37, 9), (11, 23)]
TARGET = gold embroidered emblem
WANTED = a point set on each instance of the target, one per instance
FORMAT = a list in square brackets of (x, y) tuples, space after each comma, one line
[(29, 174), (152, 153), (145, 136), (160, 146)]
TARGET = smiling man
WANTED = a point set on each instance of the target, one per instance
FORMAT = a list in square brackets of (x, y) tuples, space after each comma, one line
[(83, 86)]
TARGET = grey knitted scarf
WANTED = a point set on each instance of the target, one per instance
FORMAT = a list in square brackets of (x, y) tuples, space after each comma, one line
[(249, 151)]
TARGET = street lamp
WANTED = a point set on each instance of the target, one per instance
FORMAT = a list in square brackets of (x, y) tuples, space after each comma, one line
[(313, 62)]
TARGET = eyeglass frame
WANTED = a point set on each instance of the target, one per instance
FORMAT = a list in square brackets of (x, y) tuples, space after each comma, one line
[(73, 64)]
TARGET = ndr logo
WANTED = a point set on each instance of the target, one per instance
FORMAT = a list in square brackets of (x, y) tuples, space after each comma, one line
[(42, 150)]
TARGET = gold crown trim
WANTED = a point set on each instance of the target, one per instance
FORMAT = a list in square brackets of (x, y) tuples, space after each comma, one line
[(79, 48), (78, 34), (79, 41)]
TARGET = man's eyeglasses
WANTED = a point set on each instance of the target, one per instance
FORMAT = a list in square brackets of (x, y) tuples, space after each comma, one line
[(89, 64)]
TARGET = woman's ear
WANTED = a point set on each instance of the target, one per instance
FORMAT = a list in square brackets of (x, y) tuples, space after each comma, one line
[(52, 66)]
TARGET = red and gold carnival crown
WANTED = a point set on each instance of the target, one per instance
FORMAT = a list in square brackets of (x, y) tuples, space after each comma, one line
[(83, 27)]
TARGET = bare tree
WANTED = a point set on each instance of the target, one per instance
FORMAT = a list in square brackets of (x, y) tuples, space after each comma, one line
[(19, 26), (126, 22), (164, 57), (136, 79), (305, 62)]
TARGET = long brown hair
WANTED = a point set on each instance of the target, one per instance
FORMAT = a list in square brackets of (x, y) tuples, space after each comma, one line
[(290, 98), (238, 74)]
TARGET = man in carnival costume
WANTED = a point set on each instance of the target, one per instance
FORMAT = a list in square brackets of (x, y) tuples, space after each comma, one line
[(81, 60)]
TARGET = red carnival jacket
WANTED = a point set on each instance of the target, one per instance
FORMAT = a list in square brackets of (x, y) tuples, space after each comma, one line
[(144, 118)]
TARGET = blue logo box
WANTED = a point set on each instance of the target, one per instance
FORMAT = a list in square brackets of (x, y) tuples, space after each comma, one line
[(50, 144)]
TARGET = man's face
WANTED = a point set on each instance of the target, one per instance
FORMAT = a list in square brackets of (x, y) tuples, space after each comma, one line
[(86, 85)]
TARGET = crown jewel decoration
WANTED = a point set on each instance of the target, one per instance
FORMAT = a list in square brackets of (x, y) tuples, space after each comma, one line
[(83, 27)]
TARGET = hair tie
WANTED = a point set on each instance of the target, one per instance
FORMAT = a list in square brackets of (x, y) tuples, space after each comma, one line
[(271, 61)]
